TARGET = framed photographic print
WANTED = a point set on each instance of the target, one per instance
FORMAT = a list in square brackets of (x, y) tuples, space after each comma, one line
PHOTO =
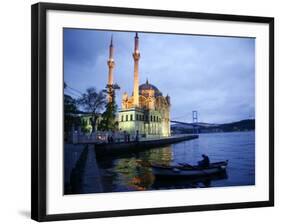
[(138, 111)]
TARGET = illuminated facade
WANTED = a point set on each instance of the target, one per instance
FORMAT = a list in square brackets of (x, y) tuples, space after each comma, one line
[(147, 110)]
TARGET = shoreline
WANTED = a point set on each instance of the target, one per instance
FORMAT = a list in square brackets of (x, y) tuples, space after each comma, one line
[(142, 145)]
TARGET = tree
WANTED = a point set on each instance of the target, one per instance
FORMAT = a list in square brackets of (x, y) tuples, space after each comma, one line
[(86, 126), (93, 102), (109, 122), (70, 111)]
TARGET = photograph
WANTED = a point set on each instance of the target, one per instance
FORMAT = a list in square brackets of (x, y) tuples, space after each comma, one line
[(147, 111)]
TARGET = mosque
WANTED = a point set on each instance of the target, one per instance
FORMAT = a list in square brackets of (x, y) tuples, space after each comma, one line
[(146, 111)]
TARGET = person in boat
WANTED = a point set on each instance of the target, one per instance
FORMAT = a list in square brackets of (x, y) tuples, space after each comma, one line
[(205, 162)]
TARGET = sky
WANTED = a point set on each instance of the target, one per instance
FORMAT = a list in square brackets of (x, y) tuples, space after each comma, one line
[(211, 74)]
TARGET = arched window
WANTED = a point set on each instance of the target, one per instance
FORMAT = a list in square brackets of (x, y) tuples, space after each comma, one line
[(131, 117)]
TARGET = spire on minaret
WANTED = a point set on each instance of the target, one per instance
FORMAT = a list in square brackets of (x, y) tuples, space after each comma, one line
[(111, 48), (136, 56), (146, 81), (110, 64), (136, 42)]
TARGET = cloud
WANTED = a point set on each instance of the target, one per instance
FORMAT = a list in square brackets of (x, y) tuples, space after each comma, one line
[(214, 75)]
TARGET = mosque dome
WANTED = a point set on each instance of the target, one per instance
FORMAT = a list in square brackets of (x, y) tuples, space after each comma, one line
[(147, 86)]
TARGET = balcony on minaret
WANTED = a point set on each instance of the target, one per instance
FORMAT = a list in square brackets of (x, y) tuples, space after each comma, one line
[(111, 64), (136, 54)]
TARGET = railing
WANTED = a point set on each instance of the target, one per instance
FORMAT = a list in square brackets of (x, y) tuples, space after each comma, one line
[(98, 137), (78, 137)]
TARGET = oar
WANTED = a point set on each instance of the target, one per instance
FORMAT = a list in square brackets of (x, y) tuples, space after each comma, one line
[(186, 164)]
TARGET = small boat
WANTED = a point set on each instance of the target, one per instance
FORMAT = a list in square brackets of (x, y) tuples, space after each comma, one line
[(186, 170)]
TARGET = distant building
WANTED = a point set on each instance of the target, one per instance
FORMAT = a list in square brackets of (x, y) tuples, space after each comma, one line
[(147, 110)]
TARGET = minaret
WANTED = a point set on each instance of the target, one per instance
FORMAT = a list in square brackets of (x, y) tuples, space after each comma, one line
[(110, 64), (136, 56)]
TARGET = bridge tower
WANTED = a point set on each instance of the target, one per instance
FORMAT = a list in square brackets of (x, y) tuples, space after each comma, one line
[(195, 121)]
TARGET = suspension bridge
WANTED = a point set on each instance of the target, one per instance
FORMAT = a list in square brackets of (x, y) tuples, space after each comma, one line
[(194, 125)]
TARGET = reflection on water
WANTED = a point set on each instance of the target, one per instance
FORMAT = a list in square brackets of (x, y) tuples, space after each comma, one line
[(131, 172), (134, 172)]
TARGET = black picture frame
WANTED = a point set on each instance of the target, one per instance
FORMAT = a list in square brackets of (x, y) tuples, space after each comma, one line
[(39, 122)]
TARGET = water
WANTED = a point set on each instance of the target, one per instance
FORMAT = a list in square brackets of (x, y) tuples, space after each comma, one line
[(131, 172)]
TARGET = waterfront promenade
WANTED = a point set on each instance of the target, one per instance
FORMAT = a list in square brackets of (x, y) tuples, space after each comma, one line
[(141, 145), (120, 142), (81, 172)]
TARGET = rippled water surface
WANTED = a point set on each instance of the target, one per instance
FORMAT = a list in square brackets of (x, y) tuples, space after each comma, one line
[(130, 172), (86, 173)]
